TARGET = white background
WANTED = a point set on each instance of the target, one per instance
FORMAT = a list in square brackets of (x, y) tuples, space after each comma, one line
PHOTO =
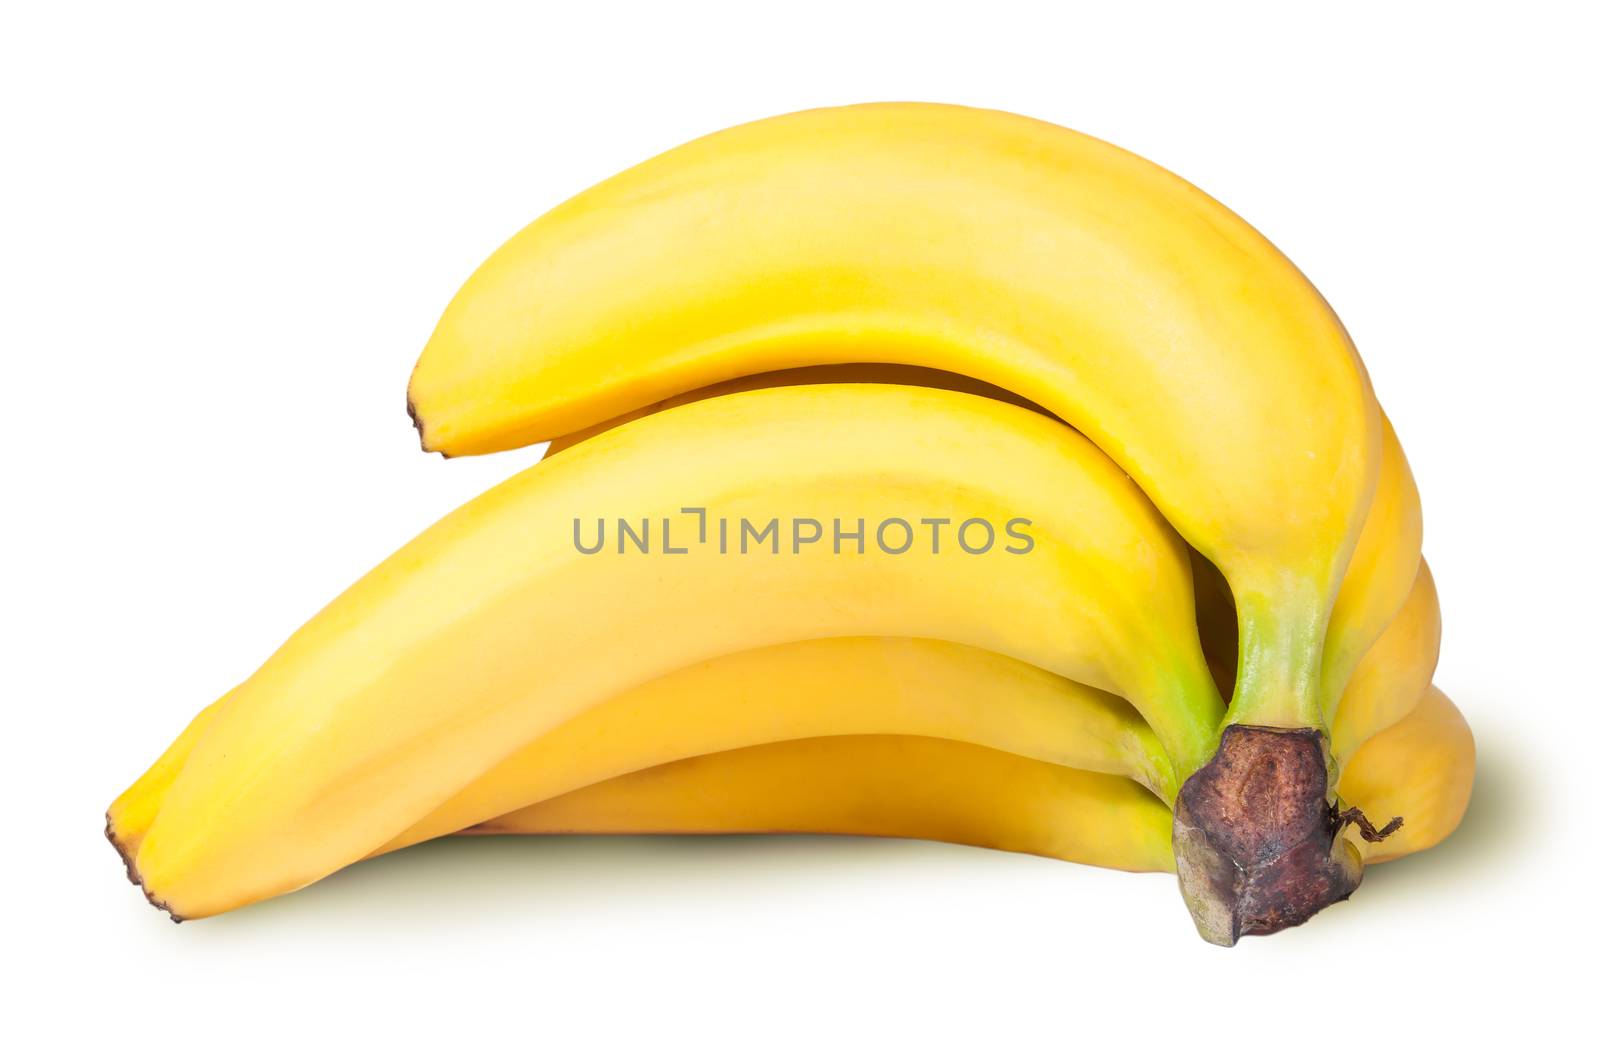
[(226, 237)]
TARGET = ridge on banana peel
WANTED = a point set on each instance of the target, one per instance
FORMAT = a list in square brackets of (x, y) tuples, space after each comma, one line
[(490, 629), (944, 790), (1036, 259)]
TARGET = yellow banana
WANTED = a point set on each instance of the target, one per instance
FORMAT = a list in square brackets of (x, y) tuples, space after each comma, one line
[(907, 687), (894, 785), (951, 791), (1045, 262), (822, 688), (1376, 583), (491, 628), (771, 694), (857, 686)]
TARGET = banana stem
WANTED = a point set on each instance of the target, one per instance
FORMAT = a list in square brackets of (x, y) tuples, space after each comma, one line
[(1280, 662), (1259, 845), (1257, 832)]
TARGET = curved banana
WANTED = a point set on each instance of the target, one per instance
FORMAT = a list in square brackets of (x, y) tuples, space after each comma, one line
[(889, 785), (494, 626), (1381, 572), (821, 688), (869, 685), (907, 687), (1042, 261), (771, 694), (847, 686), (954, 792)]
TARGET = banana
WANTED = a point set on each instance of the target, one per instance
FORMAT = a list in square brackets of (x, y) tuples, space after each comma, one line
[(771, 694), (950, 791), (493, 627), (850, 686), (822, 688), (894, 785), (1376, 584), (839, 687), (1039, 260)]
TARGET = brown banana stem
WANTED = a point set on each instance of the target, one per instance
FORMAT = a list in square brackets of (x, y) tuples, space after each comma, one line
[(1257, 833)]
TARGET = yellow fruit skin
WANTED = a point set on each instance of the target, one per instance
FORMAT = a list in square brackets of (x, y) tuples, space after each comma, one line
[(1395, 672), (890, 785), (1042, 261), (813, 689), (131, 814), (955, 792), (1400, 774), (1376, 584), (908, 687), (489, 630), (1420, 768), (1381, 573), (853, 686)]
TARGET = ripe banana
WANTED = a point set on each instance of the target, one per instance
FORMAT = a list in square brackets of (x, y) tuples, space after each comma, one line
[(1376, 583), (490, 629), (893, 785), (1044, 262), (837, 687), (772, 694), (1045, 691), (821, 688), (852, 686), (951, 791)]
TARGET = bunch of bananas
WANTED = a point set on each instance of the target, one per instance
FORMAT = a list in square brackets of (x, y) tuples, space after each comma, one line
[(915, 470)]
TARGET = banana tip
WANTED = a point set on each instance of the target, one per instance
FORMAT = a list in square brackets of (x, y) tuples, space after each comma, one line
[(416, 422), (125, 851)]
